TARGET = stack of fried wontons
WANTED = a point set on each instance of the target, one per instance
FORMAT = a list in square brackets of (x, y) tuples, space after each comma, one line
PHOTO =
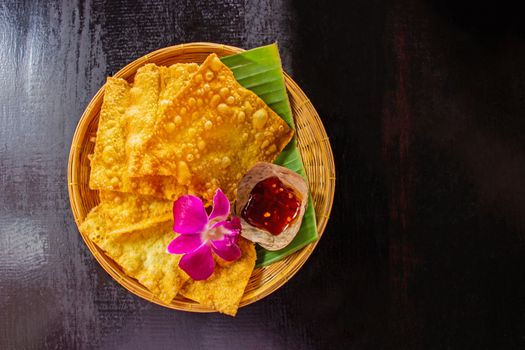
[(182, 129)]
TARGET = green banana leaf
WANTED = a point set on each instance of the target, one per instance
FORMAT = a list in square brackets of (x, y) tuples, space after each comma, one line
[(259, 70)]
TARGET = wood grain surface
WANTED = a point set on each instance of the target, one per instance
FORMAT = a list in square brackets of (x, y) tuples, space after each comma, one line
[(423, 102)]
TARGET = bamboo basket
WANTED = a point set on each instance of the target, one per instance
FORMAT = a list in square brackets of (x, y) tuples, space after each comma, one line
[(312, 141)]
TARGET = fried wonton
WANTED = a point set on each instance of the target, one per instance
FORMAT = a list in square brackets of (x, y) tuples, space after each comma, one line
[(152, 91), (134, 231), (125, 212), (128, 112), (224, 289), (211, 133)]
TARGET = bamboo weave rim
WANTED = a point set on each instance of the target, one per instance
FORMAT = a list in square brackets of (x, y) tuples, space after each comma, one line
[(313, 144)]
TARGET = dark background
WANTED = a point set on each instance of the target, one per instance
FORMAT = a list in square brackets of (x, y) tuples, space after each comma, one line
[(424, 104)]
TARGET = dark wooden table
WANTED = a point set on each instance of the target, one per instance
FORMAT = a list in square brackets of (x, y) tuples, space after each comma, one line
[(424, 103)]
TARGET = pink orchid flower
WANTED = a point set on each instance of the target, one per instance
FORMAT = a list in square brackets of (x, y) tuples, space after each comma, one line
[(201, 234)]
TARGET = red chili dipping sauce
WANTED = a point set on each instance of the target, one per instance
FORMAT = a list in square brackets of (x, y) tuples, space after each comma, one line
[(271, 206)]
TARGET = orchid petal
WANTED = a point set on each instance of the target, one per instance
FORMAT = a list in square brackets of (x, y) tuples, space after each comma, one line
[(235, 224), (226, 248), (221, 206), (228, 227), (184, 244), (198, 264), (189, 215)]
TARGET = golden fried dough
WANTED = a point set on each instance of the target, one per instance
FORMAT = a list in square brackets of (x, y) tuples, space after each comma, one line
[(211, 134), (134, 231), (224, 289), (126, 114)]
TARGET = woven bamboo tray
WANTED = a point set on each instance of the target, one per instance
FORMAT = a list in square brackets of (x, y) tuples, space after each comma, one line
[(313, 145)]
